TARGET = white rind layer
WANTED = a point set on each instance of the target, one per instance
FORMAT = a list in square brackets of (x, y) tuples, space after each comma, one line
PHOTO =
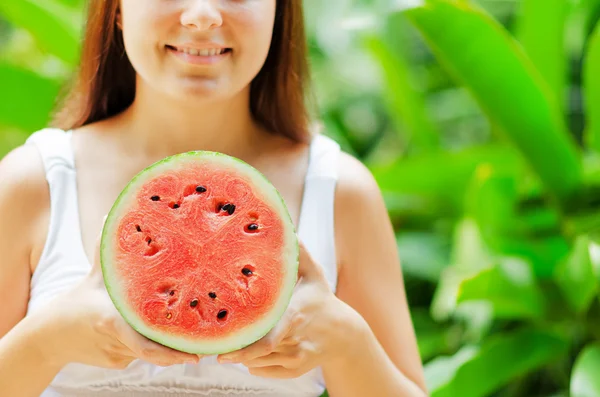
[(290, 255)]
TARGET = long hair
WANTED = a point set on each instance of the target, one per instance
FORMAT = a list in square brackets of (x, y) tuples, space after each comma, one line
[(105, 82)]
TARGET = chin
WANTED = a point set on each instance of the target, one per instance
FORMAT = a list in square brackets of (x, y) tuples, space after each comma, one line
[(200, 90)]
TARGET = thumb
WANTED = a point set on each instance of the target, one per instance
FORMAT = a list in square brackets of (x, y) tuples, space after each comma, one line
[(308, 268)]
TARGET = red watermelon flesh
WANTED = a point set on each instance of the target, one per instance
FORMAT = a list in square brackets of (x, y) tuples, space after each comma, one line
[(199, 253)]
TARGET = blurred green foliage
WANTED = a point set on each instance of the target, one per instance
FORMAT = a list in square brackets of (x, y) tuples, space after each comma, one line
[(481, 122)]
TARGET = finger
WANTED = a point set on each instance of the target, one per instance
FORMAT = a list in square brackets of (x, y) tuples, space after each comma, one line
[(277, 372), (290, 340), (291, 358), (308, 268), (151, 351), (119, 361), (266, 345)]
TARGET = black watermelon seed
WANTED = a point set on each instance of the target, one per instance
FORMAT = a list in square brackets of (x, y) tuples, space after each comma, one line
[(154, 198), (175, 206), (222, 314), (246, 271), (230, 208), (200, 189), (212, 295), (172, 293), (252, 226), (138, 228), (194, 303), (149, 241)]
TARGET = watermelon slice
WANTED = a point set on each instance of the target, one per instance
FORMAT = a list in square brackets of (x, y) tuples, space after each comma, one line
[(199, 253)]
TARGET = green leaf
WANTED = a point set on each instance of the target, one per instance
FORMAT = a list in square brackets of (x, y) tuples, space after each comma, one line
[(592, 14), (431, 344), (543, 253), (530, 231), (480, 372), (575, 276), (469, 256), (405, 101), (594, 251), (509, 288), (28, 98), (443, 174), (482, 55), (423, 255), (440, 372), (541, 31), (477, 319), (469, 251), (433, 338), (420, 208), (490, 200), (585, 381), (54, 26), (591, 90)]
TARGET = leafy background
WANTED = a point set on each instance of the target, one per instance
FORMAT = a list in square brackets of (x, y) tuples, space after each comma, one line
[(481, 122)]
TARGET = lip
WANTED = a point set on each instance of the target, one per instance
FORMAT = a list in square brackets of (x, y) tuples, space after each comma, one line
[(199, 46), (199, 59)]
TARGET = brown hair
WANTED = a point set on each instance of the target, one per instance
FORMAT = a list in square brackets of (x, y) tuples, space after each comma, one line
[(105, 81)]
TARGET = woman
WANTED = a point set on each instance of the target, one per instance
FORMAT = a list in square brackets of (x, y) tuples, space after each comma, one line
[(160, 77)]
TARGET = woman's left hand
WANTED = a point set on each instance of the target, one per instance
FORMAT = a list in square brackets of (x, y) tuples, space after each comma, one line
[(316, 328)]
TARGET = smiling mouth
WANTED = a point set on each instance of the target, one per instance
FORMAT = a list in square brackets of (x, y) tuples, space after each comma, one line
[(204, 52)]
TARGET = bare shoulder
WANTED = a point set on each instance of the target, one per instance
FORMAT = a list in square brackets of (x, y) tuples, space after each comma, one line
[(359, 205), (356, 184), (361, 216), (22, 162), (24, 207), (24, 198), (24, 190)]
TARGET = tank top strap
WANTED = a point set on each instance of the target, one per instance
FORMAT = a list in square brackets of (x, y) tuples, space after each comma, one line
[(54, 146), (316, 224), (324, 154), (63, 241)]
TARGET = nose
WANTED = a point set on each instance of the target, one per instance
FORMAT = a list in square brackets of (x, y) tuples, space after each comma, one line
[(202, 14)]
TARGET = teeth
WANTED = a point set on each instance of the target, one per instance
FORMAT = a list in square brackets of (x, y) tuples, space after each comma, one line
[(204, 52)]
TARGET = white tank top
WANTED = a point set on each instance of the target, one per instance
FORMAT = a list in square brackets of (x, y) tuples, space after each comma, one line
[(63, 263)]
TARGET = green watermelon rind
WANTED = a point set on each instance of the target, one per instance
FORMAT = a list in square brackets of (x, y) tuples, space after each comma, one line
[(251, 333)]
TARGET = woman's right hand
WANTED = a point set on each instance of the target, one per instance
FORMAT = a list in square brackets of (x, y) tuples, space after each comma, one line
[(90, 330)]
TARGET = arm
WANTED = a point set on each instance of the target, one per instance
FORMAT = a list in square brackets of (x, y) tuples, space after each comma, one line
[(384, 360), (25, 368), (24, 203), (81, 325)]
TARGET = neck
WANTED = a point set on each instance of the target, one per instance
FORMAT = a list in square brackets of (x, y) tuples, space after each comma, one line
[(160, 126)]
